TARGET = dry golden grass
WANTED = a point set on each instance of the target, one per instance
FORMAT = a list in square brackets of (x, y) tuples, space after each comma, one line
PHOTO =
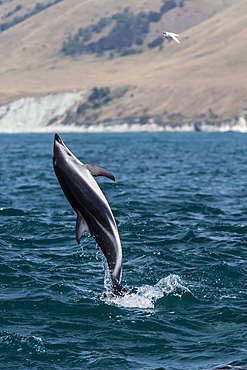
[(206, 73)]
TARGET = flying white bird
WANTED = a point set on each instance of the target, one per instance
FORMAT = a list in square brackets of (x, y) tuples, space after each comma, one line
[(171, 36)]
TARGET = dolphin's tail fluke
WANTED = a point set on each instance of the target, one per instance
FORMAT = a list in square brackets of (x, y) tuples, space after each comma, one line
[(118, 289)]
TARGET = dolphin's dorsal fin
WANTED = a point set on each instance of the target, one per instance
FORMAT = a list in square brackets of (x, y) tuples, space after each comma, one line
[(99, 171), (81, 227)]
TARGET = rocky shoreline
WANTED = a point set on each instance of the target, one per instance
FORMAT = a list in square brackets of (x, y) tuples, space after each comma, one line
[(49, 114), (237, 124)]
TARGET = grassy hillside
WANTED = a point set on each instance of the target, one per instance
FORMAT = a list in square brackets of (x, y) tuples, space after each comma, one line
[(204, 77)]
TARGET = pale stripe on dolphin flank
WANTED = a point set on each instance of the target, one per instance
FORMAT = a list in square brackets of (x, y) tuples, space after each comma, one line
[(119, 249), (92, 182)]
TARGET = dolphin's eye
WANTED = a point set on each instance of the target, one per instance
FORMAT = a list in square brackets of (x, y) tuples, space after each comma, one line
[(69, 154)]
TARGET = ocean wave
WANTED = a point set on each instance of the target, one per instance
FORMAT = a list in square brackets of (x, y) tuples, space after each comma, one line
[(180, 205), (16, 342), (12, 212)]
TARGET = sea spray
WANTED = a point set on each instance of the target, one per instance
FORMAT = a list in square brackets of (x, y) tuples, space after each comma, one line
[(146, 295)]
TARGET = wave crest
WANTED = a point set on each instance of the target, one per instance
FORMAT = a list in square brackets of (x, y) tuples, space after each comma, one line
[(18, 342)]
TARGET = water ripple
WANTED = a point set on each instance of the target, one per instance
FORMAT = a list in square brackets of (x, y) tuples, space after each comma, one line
[(180, 205)]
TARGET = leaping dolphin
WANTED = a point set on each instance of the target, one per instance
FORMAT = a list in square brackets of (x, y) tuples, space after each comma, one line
[(93, 211)]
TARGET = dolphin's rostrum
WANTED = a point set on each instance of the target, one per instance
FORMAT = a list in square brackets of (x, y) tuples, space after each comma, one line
[(93, 211)]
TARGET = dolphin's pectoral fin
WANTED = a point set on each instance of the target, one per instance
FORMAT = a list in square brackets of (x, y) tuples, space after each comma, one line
[(81, 227), (99, 171)]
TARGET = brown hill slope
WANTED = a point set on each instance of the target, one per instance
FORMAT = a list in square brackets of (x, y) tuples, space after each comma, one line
[(203, 77)]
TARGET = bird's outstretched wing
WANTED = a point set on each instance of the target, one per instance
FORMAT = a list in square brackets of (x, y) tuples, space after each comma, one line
[(173, 35)]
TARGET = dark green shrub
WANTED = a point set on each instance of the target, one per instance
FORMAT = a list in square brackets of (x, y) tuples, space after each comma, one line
[(18, 7), (139, 41), (98, 93), (87, 35), (38, 8), (154, 16), (96, 104), (156, 42), (127, 30), (102, 23), (73, 46), (168, 5), (144, 119), (140, 19), (82, 108), (126, 51), (107, 99)]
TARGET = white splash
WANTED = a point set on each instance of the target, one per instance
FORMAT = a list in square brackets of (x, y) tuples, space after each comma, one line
[(147, 295)]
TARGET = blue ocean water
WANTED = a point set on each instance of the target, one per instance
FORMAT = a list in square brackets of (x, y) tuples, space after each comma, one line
[(180, 202)]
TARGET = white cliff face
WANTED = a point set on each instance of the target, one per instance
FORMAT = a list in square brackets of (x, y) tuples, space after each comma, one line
[(33, 114)]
